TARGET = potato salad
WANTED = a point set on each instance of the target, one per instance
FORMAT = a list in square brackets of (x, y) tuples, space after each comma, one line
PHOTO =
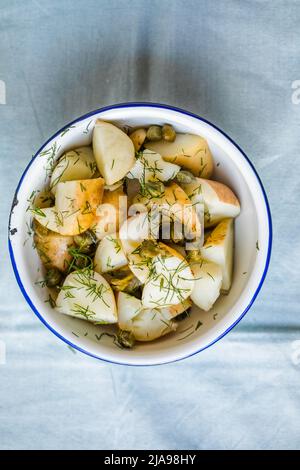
[(132, 230)]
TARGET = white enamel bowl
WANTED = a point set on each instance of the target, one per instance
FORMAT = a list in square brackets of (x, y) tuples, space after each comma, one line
[(253, 238)]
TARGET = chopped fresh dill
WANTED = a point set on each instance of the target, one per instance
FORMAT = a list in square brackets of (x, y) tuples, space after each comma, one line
[(66, 130), (86, 131), (86, 312), (38, 211)]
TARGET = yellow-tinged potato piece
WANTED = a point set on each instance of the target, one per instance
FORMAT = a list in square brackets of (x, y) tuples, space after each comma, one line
[(218, 248), (77, 164), (175, 310), (219, 200), (75, 207), (140, 260), (138, 138), (111, 212), (190, 151), (113, 150), (53, 248), (87, 295)]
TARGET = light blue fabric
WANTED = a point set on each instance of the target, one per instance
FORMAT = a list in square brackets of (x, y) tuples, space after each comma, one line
[(234, 63)]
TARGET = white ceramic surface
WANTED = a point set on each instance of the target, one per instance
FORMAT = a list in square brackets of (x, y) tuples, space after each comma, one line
[(253, 239)]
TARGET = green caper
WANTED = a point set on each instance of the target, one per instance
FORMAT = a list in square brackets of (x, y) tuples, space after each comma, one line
[(82, 262), (154, 189), (194, 256), (154, 133), (125, 339), (185, 177), (53, 277), (149, 249), (168, 133), (123, 280), (85, 241), (121, 284)]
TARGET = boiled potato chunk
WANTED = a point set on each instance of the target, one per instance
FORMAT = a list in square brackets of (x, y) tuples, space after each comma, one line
[(111, 212), (75, 207), (133, 231), (113, 150), (190, 151), (170, 283), (219, 200), (51, 219), (208, 281), (138, 138), (147, 324), (53, 248), (141, 259), (109, 255), (128, 307), (139, 265), (87, 295), (218, 248), (151, 167), (151, 324), (76, 164)]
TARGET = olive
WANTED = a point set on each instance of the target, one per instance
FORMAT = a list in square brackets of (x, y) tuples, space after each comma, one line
[(53, 277), (85, 241), (125, 339), (168, 133), (154, 133), (154, 189), (184, 177)]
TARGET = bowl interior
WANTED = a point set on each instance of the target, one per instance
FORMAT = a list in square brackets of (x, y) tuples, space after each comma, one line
[(201, 328)]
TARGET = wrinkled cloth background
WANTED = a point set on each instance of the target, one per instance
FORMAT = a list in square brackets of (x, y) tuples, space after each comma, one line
[(234, 63)]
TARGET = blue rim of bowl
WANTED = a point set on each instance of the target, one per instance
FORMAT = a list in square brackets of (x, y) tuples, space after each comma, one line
[(186, 113)]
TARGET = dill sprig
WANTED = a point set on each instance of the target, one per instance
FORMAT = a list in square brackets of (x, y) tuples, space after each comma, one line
[(168, 281), (38, 211), (86, 131), (65, 131), (79, 258), (50, 153), (96, 291), (86, 312)]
